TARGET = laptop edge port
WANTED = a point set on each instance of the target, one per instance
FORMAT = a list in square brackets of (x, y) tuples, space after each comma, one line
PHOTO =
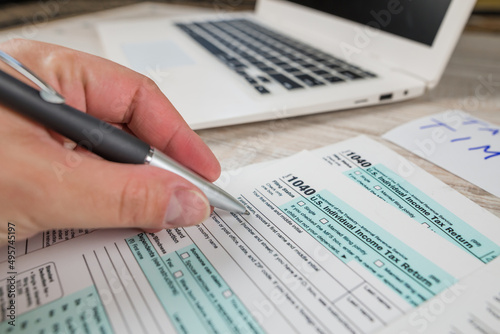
[(385, 97)]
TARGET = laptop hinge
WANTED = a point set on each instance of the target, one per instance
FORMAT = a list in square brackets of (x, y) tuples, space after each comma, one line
[(395, 68), (428, 84)]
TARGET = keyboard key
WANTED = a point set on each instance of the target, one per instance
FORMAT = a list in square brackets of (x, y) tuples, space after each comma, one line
[(251, 80), (321, 72), (318, 59), (333, 79), (307, 65), (282, 64), (259, 64), (241, 72), (351, 75), (290, 69), (301, 62), (249, 58), (263, 54), (309, 80), (234, 63), (210, 47), (294, 58), (273, 59), (268, 69), (262, 89), (333, 66), (285, 81), (264, 79)]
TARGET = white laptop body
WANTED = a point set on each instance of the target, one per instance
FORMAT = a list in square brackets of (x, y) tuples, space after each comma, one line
[(208, 93)]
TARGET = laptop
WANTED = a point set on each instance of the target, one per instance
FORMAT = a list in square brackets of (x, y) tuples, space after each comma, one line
[(291, 57)]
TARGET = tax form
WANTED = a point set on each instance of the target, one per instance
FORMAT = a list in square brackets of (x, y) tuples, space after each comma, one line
[(318, 254), (422, 197)]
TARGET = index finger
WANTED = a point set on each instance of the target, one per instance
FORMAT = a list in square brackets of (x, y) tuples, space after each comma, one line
[(129, 98), (116, 94)]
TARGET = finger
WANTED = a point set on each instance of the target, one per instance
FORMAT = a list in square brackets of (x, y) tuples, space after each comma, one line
[(94, 193), (116, 94), (149, 115)]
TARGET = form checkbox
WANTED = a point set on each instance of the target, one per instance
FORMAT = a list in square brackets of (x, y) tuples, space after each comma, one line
[(377, 187), (379, 263), (178, 274), (323, 221), (185, 255), (426, 225), (227, 293), (301, 203)]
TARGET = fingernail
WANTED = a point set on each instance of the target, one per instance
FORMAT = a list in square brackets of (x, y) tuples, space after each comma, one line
[(186, 208)]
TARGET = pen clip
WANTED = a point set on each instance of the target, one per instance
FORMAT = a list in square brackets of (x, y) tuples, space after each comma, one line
[(47, 93)]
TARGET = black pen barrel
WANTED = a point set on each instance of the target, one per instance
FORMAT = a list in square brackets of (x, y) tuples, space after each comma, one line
[(87, 131)]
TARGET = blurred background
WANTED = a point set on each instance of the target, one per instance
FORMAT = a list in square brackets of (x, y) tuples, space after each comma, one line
[(486, 16), (15, 13), (488, 6)]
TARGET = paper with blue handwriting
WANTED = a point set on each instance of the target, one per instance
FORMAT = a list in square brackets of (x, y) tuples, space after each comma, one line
[(317, 254), (458, 142)]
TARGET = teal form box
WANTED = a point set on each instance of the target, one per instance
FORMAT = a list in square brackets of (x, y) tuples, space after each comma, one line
[(79, 312), (351, 236), (193, 294)]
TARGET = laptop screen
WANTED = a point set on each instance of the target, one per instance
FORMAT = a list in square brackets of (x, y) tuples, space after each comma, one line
[(418, 20)]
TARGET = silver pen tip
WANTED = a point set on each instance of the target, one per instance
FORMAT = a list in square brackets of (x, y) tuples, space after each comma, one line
[(247, 213)]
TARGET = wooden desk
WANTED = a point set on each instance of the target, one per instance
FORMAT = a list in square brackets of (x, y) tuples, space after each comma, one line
[(474, 62)]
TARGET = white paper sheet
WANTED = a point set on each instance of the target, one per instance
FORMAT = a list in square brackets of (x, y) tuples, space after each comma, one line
[(458, 142), (318, 254), (471, 306)]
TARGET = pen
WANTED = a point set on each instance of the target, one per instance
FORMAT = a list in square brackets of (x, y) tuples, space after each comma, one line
[(47, 107)]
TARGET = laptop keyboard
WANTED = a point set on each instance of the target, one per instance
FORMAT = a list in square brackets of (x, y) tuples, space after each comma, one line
[(263, 57)]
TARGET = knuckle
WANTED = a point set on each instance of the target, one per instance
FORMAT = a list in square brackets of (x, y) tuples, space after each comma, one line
[(140, 203), (148, 86), (148, 82), (59, 56)]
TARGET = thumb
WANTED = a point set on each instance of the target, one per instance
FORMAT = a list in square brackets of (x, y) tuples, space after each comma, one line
[(101, 194)]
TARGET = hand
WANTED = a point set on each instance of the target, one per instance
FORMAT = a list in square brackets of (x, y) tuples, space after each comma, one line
[(44, 185)]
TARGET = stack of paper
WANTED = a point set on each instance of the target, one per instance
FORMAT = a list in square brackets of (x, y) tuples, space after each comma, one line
[(346, 239)]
